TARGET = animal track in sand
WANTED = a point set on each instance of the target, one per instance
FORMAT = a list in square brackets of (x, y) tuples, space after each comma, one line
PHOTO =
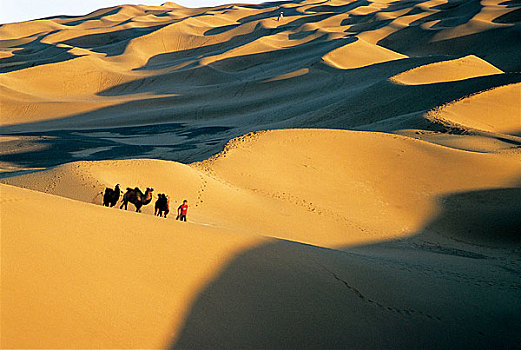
[(311, 207), (201, 190), (241, 141), (403, 312)]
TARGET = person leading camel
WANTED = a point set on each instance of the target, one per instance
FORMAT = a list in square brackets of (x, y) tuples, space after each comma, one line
[(182, 210)]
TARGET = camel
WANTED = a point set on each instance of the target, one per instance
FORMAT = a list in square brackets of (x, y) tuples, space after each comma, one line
[(136, 197), (161, 206), (111, 196)]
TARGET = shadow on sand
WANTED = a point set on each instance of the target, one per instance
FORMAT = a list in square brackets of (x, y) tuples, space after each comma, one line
[(162, 141), (453, 285)]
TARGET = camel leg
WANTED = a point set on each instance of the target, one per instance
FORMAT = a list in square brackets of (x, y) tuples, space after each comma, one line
[(123, 204)]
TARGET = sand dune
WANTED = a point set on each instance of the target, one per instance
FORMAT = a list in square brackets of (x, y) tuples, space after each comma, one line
[(486, 111), (375, 187), (152, 49), (88, 288), (440, 72), (399, 231), (359, 54), (364, 180)]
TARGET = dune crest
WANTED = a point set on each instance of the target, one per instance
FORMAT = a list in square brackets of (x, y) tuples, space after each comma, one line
[(497, 110), (445, 71), (360, 54)]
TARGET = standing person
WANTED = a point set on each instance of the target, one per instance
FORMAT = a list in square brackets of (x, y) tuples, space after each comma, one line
[(182, 210)]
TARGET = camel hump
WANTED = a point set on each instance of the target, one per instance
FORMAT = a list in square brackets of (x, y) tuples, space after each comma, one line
[(130, 189)]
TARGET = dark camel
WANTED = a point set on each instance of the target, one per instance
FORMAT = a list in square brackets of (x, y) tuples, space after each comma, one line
[(136, 197), (111, 196), (162, 207)]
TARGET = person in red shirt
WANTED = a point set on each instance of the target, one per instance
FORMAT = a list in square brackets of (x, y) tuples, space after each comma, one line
[(182, 210)]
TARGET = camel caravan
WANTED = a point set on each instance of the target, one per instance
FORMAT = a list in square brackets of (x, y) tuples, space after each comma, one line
[(136, 197)]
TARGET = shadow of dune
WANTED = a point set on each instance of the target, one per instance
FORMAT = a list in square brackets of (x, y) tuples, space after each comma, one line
[(221, 29), (173, 58), (341, 8), (305, 19), (35, 53), (270, 14), (93, 16), (455, 12), (112, 43), (497, 46), (296, 56), (165, 141), (401, 4), (510, 3), (426, 291), (513, 16), (489, 217)]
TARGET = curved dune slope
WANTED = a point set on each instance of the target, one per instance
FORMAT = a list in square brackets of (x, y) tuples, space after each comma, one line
[(440, 72), (233, 67), (69, 262), (330, 199), (497, 110)]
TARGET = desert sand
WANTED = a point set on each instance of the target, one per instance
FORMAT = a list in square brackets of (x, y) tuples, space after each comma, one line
[(353, 175)]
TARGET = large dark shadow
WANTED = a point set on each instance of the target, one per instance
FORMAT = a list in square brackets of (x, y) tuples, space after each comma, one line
[(510, 17), (453, 285), (112, 43), (511, 3), (93, 16), (497, 46), (183, 143), (341, 8), (35, 53), (199, 52)]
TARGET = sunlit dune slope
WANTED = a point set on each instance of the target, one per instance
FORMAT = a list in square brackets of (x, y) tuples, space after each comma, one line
[(76, 274), (80, 276), (290, 184), (497, 110), (459, 69)]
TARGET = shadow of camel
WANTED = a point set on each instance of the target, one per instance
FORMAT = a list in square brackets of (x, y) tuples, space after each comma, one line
[(427, 291)]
